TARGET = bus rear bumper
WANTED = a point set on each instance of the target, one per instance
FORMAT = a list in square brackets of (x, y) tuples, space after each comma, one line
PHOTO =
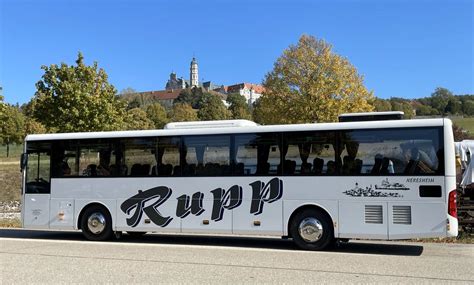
[(452, 227)]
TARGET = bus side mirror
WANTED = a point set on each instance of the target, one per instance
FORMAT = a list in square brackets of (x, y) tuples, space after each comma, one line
[(23, 161)]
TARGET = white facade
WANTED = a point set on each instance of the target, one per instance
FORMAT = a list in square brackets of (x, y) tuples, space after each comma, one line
[(250, 95)]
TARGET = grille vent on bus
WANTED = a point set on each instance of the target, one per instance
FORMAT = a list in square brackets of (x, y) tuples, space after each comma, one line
[(402, 215), (373, 214)]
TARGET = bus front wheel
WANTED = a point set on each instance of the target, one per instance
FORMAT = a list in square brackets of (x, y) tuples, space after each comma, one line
[(312, 229), (96, 223)]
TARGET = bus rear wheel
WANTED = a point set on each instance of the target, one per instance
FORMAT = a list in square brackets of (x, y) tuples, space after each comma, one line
[(312, 229), (96, 223)]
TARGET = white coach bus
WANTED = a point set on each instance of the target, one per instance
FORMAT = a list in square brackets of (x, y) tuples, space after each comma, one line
[(314, 183)]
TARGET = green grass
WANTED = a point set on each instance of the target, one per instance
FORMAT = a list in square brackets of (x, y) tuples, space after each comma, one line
[(10, 182), (465, 123), (14, 154)]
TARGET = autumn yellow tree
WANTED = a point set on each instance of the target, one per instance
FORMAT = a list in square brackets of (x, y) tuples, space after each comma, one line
[(137, 119), (182, 112), (311, 83)]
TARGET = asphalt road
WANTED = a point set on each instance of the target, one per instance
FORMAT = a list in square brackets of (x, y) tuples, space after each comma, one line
[(28, 256)]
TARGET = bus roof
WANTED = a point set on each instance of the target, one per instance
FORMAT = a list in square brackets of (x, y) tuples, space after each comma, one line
[(210, 124), (245, 129)]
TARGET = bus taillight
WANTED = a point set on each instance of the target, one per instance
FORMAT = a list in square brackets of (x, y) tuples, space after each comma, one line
[(452, 208)]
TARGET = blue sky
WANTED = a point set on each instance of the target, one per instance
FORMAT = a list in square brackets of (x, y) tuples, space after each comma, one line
[(403, 48)]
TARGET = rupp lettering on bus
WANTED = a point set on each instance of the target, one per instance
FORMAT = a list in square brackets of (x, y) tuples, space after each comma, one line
[(229, 200), (265, 193), (183, 209), (222, 200), (160, 193)]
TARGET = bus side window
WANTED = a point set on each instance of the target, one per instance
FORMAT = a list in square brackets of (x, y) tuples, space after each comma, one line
[(207, 155), (308, 153), (391, 151), (167, 157), (257, 154), (64, 159), (139, 155)]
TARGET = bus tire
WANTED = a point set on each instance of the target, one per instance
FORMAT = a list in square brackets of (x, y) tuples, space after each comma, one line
[(311, 229), (96, 223), (136, 234)]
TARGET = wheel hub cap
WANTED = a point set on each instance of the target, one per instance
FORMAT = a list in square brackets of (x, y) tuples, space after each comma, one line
[(310, 229), (96, 223)]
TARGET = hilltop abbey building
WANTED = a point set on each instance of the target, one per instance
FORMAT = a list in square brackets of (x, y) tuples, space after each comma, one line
[(174, 85)]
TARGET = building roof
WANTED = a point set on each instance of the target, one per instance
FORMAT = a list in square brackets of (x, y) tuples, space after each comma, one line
[(173, 94), (237, 87), (162, 94)]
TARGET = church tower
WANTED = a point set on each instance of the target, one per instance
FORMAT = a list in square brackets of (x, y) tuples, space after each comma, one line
[(194, 73)]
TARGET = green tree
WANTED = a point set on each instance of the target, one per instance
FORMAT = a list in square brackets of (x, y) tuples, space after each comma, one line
[(468, 107), (263, 112), (212, 108), (3, 107), (440, 98), (454, 106), (134, 103), (157, 114), (182, 112), (137, 120), (77, 98), (382, 105), (426, 110), (128, 91), (310, 83), (33, 127), (238, 108), (404, 105), (191, 96), (12, 123)]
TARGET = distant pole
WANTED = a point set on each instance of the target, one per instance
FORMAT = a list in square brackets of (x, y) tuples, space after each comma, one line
[(8, 146)]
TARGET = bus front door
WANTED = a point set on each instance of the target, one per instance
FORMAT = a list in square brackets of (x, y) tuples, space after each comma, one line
[(36, 199)]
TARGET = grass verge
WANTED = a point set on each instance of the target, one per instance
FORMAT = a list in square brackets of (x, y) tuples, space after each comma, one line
[(10, 223), (465, 123), (463, 237)]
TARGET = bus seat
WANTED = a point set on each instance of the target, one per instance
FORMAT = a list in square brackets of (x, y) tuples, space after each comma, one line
[(168, 169), (305, 168), (135, 170), (331, 167), (289, 167), (91, 170), (384, 166), (318, 164), (145, 169), (226, 170), (177, 170), (411, 167), (262, 168), (239, 169), (351, 166), (189, 169), (114, 170), (377, 164)]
